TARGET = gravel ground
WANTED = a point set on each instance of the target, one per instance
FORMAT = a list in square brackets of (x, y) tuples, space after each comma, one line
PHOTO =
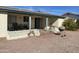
[(46, 43)]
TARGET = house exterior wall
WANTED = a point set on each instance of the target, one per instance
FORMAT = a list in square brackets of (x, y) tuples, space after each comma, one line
[(19, 19), (3, 24), (58, 22), (52, 20)]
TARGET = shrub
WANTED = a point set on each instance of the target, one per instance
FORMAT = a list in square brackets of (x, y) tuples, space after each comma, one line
[(70, 25), (78, 23)]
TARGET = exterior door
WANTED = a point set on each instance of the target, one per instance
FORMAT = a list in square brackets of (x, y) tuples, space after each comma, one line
[(37, 23)]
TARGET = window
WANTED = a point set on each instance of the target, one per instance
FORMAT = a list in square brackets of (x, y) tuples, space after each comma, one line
[(26, 19), (26, 22)]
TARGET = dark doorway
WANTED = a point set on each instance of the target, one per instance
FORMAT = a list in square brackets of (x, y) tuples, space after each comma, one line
[(37, 23)]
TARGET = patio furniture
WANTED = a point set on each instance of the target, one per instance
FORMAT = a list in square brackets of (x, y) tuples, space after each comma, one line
[(31, 33), (62, 28), (34, 32)]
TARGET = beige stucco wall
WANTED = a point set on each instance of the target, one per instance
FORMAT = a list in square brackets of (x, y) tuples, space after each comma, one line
[(52, 20), (19, 19), (58, 22), (3, 24)]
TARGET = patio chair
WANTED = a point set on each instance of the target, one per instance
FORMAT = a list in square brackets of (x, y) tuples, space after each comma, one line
[(31, 33), (62, 28)]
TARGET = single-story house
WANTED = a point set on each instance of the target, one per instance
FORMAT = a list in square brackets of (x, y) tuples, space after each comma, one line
[(73, 16), (17, 23)]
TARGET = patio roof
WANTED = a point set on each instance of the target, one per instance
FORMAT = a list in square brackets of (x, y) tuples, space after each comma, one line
[(23, 11)]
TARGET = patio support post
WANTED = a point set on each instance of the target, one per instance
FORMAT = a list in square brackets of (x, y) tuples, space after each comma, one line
[(47, 22), (29, 22)]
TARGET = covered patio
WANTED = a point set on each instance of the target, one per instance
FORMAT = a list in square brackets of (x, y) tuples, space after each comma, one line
[(20, 25), (26, 22)]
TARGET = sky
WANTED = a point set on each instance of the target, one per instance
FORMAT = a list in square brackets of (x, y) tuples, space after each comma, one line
[(55, 10)]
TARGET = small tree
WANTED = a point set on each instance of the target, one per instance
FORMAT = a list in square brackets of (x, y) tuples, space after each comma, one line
[(70, 24)]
